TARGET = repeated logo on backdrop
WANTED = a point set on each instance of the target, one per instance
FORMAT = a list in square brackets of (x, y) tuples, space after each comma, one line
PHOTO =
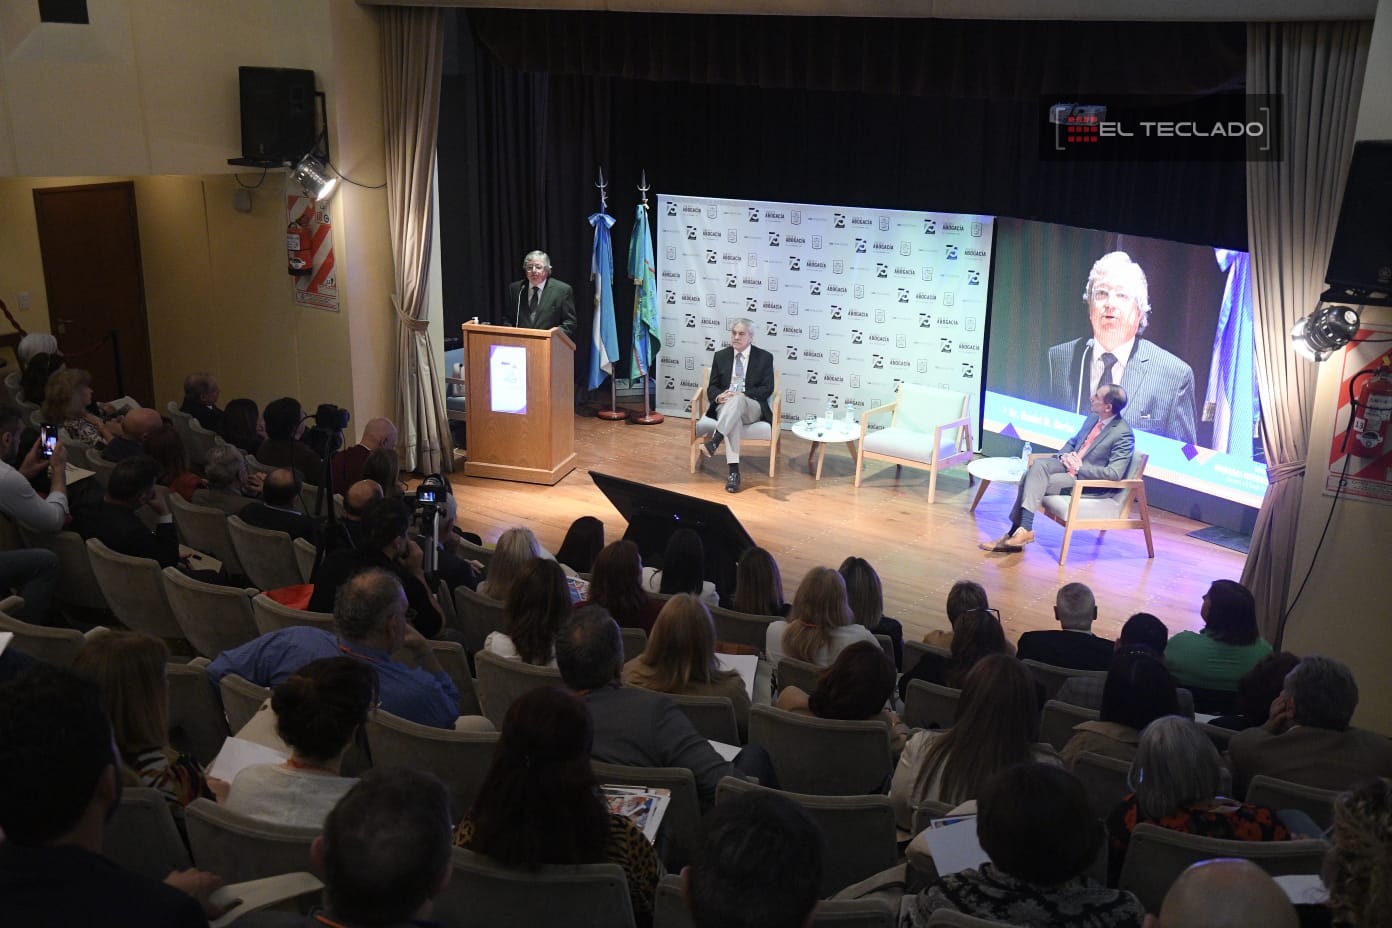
[(850, 301)]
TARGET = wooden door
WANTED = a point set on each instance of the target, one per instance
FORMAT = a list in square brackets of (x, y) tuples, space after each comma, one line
[(90, 242)]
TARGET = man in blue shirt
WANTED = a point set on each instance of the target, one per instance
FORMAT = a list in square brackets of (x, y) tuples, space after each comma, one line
[(369, 625)]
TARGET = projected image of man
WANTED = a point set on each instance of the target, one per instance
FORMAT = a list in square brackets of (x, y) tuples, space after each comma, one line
[(1159, 385), (540, 301)]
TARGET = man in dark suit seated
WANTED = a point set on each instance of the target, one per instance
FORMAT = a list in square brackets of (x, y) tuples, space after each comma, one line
[(540, 301), (741, 382), (135, 426), (1100, 451), (1074, 645), (114, 523), (201, 392), (276, 512)]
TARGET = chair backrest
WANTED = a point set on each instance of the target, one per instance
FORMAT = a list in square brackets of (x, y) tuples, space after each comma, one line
[(681, 826), (741, 627), (267, 557), (1156, 856), (635, 642), (180, 420), (669, 911), (134, 587), (926, 810), (1105, 780), (197, 722), (476, 615), (238, 848), (1057, 721), (304, 557), (241, 699), (459, 758), (199, 442), (500, 681), (1217, 734), (52, 645), (77, 584), (825, 757), (1052, 677), (101, 468), (930, 705), (212, 617), (922, 409), (915, 650), (859, 831), (1283, 794), (270, 616), (205, 529), (454, 662), (713, 717), (141, 835), (793, 672), (472, 552), (483, 894)]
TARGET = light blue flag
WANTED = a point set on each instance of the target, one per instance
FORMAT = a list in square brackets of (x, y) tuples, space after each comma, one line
[(1232, 382), (606, 340), (642, 267)]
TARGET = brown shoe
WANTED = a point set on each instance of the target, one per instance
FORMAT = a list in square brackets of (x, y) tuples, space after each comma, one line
[(1020, 537), (1001, 545)]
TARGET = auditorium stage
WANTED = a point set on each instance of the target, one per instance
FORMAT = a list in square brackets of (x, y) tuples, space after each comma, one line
[(918, 550)]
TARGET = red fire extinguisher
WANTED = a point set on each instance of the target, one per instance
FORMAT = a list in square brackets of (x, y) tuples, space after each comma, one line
[(299, 246), (1373, 413)]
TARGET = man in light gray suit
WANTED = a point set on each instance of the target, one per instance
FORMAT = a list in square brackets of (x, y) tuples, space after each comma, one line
[(1160, 386), (1100, 451)]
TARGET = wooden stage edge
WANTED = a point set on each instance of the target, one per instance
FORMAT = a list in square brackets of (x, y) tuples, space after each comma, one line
[(918, 550)]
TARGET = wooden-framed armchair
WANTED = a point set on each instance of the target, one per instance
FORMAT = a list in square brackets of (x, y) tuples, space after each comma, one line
[(758, 433), (1076, 510), (929, 429)]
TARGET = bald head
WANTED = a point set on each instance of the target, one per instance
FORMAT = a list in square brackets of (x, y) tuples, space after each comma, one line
[(138, 423), (359, 496), (379, 433), (1226, 893), (282, 488)]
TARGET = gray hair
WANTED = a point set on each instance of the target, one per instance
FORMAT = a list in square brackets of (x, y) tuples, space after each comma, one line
[(1115, 261), (1324, 692), (545, 258), (741, 320), (223, 465), (589, 649), (1175, 765), (366, 603), (1075, 606)]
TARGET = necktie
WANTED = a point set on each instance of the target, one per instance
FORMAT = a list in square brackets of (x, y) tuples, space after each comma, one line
[(1108, 359), (737, 382), (1092, 437), (532, 304), (739, 365)]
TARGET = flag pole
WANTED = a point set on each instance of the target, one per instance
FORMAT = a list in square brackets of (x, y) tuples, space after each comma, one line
[(613, 413), (649, 416)]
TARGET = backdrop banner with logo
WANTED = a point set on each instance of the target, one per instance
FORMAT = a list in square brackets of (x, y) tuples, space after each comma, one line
[(850, 300)]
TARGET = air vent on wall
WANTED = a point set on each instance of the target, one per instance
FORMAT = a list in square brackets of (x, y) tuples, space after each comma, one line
[(64, 11)]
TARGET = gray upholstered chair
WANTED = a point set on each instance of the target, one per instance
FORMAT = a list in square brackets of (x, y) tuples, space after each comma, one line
[(77, 585), (1057, 721), (459, 758), (53, 645), (713, 717), (930, 705), (141, 836), (500, 681), (793, 672), (134, 586), (304, 557), (741, 627), (1104, 512), (212, 617), (635, 642), (1283, 794), (204, 528), (241, 699), (270, 616), (237, 847), (1052, 677), (199, 442), (197, 722), (681, 826), (915, 650), (671, 912), (1105, 779), (825, 757), (454, 662), (268, 557), (475, 616), (483, 894)]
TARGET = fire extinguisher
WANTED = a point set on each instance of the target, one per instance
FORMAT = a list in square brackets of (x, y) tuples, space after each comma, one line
[(1373, 413), (299, 246)]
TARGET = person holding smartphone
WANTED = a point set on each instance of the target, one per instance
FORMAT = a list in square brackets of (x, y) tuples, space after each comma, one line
[(33, 572)]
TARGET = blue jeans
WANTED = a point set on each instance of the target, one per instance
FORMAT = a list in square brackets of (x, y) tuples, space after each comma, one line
[(32, 572)]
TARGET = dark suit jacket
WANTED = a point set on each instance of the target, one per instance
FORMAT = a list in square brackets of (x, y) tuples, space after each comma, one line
[(1159, 387), (1063, 648), (1109, 457), (122, 531), (294, 524), (294, 454), (758, 379), (210, 417), (557, 307), (1318, 757)]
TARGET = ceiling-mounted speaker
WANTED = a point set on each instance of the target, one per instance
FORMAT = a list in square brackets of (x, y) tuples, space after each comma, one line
[(1361, 258), (278, 123)]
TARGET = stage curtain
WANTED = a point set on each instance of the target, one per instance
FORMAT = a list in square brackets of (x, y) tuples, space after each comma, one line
[(1292, 211), (412, 60)]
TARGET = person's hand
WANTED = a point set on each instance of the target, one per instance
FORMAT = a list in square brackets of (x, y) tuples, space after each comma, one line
[(1282, 715), (255, 482), (219, 788), (35, 463), (200, 885), (413, 557), (478, 566), (157, 503)]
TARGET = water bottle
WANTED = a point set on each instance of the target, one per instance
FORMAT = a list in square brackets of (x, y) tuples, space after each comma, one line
[(1025, 456), (830, 411)]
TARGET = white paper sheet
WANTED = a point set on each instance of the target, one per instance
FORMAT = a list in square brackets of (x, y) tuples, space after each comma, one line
[(746, 664), (955, 847), (237, 754), (727, 751)]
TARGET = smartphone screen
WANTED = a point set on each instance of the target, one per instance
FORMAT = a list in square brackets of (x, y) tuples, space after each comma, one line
[(49, 436)]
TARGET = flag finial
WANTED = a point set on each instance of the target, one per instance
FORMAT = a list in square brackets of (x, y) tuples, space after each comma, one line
[(603, 191), (643, 188)]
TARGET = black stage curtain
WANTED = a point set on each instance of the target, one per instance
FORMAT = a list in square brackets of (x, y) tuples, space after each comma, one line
[(891, 113)]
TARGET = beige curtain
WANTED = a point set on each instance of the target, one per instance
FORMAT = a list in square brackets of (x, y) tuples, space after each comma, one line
[(1292, 209), (412, 57)]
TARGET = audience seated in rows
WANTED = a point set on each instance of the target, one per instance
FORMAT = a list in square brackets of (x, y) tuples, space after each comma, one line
[(1256, 691), (59, 783), (582, 543), (680, 658), (1138, 690), (1034, 824), (278, 509), (66, 401), (1177, 780), (113, 520), (167, 448), (1356, 871), (865, 594), (540, 803), (229, 486), (384, 466), (347, 531), (1141, 630), (370, 625), (1225, 893), (820, 625), (285, 423), (964, 596), (242, 426), (33, 572), (978, 634), (997, 725), (516, 547), (1308, 738), (128, 669), (616, 583), (683, 569), (538, 605), (451, 565), (856, 687), (131, 432), (320, 712), (1212, 661), (758, 865), (1073, 645), (635, 726), (201, 393), (34, 381), (758, 585), (347, 465), (386, 546)]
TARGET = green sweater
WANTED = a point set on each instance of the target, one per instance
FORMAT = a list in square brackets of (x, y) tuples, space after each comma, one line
[(1195, 659)]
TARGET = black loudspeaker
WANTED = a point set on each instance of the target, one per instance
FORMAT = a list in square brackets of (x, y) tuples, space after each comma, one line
[(277, 114), (1361, 259)]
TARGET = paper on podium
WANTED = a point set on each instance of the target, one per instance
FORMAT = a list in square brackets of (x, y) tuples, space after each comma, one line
[(746, 664)]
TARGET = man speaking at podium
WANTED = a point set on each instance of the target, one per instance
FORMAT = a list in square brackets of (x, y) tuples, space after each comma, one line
[(540, 302)]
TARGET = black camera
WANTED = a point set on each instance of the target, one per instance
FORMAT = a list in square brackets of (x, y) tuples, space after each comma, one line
[(330, 418)]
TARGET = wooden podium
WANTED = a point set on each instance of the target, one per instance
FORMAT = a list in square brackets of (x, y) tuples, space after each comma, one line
[(521, 403)]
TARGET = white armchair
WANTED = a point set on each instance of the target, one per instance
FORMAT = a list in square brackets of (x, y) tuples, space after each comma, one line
[(929, 429)]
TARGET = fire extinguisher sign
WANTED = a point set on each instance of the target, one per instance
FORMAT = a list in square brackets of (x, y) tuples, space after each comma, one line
[(309, 252), (1362, 441)]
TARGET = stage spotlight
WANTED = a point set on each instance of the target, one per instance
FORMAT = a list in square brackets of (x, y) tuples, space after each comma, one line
[(314, 177), (1316, 336)]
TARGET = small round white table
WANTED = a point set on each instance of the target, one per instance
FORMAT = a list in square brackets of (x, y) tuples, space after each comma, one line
[(819, 432), (998, 470)]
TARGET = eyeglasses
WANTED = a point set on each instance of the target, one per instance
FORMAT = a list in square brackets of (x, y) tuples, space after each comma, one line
[(534, 267), (984, 611)]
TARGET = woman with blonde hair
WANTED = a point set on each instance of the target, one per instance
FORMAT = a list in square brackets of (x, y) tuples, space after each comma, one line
[(515, 548), (66, 398), (680, 658), (821, 624), (128, 669), (758, 585)]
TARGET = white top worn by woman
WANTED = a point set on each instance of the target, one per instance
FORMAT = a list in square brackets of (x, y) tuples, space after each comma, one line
[(501, 645), (285, 795), (652, 582), (841, 639)]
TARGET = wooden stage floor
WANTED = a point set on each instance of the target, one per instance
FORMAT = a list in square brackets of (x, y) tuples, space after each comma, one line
[(918, 550)]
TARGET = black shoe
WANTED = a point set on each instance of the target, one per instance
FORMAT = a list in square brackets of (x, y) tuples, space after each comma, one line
[(709, 448), (732, 483)]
